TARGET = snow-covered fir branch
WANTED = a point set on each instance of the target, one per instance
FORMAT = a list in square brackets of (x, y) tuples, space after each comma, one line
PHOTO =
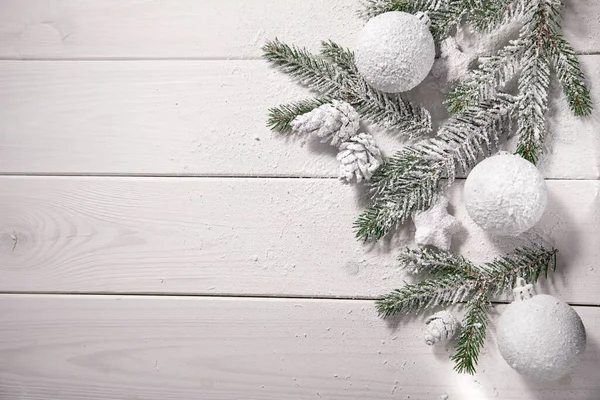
[(472, 336), (456, 279), (562, 57), (436, 263), (424, 295), (408, 181), (445, 15), (533, 104), (539, 48), (494, 14), (493, 74), (335, 77)]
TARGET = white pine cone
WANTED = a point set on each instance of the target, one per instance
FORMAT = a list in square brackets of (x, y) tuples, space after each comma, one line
[(334, 122), (359, 158), (441, 326)]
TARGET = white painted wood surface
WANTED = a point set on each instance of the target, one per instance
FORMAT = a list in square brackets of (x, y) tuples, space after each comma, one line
[(106, 347), (200, 29), (150, 90), (200, 118), (276, 237)]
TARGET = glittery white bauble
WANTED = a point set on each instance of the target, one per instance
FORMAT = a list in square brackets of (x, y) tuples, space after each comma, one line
[(505, 194), (541, 337), (395, 51)]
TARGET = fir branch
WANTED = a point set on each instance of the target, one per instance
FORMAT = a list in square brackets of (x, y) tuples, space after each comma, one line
[(372, 8), (472, 336), (540, 46), (311, 71), (533, 104), (569, 73), (445, 15), (446, 18), (281, 117), (492, 75), (336, 79), (561, 55), (456, 279), (408, 181), (341, 57), (437, 263), (500, 275), (496, 13), (424, 295)]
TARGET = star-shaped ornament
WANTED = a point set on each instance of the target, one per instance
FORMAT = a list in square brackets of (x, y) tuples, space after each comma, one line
[(435, 226)]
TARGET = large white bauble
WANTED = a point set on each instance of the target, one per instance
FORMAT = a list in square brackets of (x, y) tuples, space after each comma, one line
[(541, 337), (395, 51), (505, 194)]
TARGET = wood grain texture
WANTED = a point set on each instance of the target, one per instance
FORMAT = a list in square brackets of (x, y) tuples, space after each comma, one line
[(276, 237), (201, 29), (106, 347), (167, 28), (203, 118)]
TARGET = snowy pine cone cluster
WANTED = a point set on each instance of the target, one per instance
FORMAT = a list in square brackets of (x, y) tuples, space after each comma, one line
[(337, 123)]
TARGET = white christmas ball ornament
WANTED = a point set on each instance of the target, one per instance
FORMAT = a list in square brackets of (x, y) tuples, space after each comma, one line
[(540, 335), (505, 194), (395, 51)]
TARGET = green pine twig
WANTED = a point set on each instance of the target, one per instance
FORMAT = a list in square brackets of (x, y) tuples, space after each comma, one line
[(456, 279), (409, 180), (336, 78), (534, 82), (472, 337), (424, 295)]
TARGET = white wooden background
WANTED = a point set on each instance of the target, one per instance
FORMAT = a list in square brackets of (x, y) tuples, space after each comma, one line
[(158, 242)]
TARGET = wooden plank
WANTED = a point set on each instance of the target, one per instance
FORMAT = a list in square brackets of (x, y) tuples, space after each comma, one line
[(167, 28), (201, 118), (276, 237), (200, 29), (106, 347)]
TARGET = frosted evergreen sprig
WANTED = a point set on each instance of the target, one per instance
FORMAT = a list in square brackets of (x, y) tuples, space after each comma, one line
[(494, 14), (454, 279), (446, 14), (472, 336), (408, 181), (334, 75), (493, 74), (539, 48)]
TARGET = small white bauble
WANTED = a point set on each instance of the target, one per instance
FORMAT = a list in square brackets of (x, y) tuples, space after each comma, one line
[(395, 51), (539, 335), (505, 194)]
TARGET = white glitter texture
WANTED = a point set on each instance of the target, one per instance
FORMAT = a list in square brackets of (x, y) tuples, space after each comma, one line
[(394, 51), (435, 226), (505, 195), (541, 337)]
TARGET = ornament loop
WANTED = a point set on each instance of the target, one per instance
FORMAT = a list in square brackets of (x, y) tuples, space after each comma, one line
[(523, 290), (424, 18)]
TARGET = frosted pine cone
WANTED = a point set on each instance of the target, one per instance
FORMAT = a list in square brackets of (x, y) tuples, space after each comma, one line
[(334, 122), (441, 326), (360, 157)]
